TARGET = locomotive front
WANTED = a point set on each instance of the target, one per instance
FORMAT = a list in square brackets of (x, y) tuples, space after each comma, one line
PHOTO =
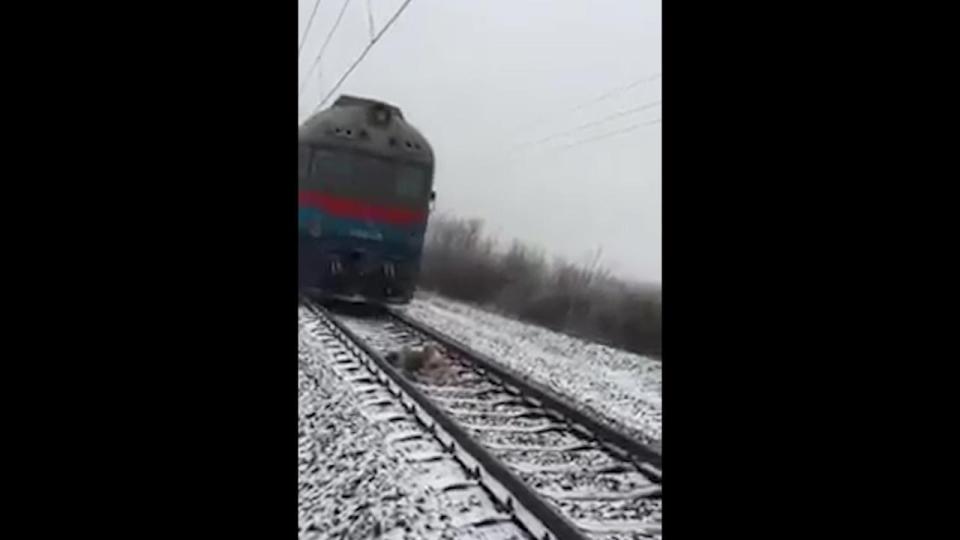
[(365, 187)]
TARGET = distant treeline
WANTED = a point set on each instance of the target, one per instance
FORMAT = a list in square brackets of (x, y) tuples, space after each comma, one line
[(582, 300)]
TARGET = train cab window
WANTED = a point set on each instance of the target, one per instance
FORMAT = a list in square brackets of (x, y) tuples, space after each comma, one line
[(411, 183), (368, 178), (329, 170)]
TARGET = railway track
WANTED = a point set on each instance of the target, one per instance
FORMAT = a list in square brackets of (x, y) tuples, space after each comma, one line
[(481, 506), (570, 475)]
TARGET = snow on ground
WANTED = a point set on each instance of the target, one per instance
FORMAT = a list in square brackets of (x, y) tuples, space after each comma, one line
[(352, 482), (620, 387)]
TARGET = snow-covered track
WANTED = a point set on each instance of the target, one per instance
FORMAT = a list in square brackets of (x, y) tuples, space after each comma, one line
[(432, 440), (592, 477)]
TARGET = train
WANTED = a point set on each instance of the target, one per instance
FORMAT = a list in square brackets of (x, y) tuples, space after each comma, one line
[(365, 192)]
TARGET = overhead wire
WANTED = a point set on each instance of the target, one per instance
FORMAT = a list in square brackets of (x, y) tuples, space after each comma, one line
[(592, 123), (306, 32), (602, 97), (363, 54), (316, 61), (627, 129)]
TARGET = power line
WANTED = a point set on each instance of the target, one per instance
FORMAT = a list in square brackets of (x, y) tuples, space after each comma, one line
[(306, 32), (632, 127), (366, 49), (316, 61), (614, 92), (610, 134), (602, 97), (592, 123), (370, 19)]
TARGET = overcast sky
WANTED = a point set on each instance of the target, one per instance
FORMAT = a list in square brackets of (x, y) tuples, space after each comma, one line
[(483, 79)]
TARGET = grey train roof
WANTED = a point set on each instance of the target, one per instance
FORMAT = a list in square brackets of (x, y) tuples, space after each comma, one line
[(368, 125)]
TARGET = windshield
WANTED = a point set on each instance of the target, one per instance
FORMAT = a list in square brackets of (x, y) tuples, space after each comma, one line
[(368, 178)]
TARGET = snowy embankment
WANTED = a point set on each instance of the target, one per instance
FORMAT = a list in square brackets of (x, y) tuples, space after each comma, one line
[(620, 387), (348, 482), (352, 482)]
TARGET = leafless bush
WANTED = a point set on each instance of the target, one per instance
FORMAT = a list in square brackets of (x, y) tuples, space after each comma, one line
[(582, 300)]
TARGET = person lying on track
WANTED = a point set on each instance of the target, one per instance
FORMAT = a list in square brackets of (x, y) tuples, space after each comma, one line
[(427, 362)]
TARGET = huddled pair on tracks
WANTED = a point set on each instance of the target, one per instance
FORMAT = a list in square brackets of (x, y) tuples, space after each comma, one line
[(427, 362)]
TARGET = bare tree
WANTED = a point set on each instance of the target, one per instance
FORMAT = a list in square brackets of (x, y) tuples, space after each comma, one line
[(584, 300)]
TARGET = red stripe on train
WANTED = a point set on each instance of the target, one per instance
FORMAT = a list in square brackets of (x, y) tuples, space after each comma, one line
[(351, 208)]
